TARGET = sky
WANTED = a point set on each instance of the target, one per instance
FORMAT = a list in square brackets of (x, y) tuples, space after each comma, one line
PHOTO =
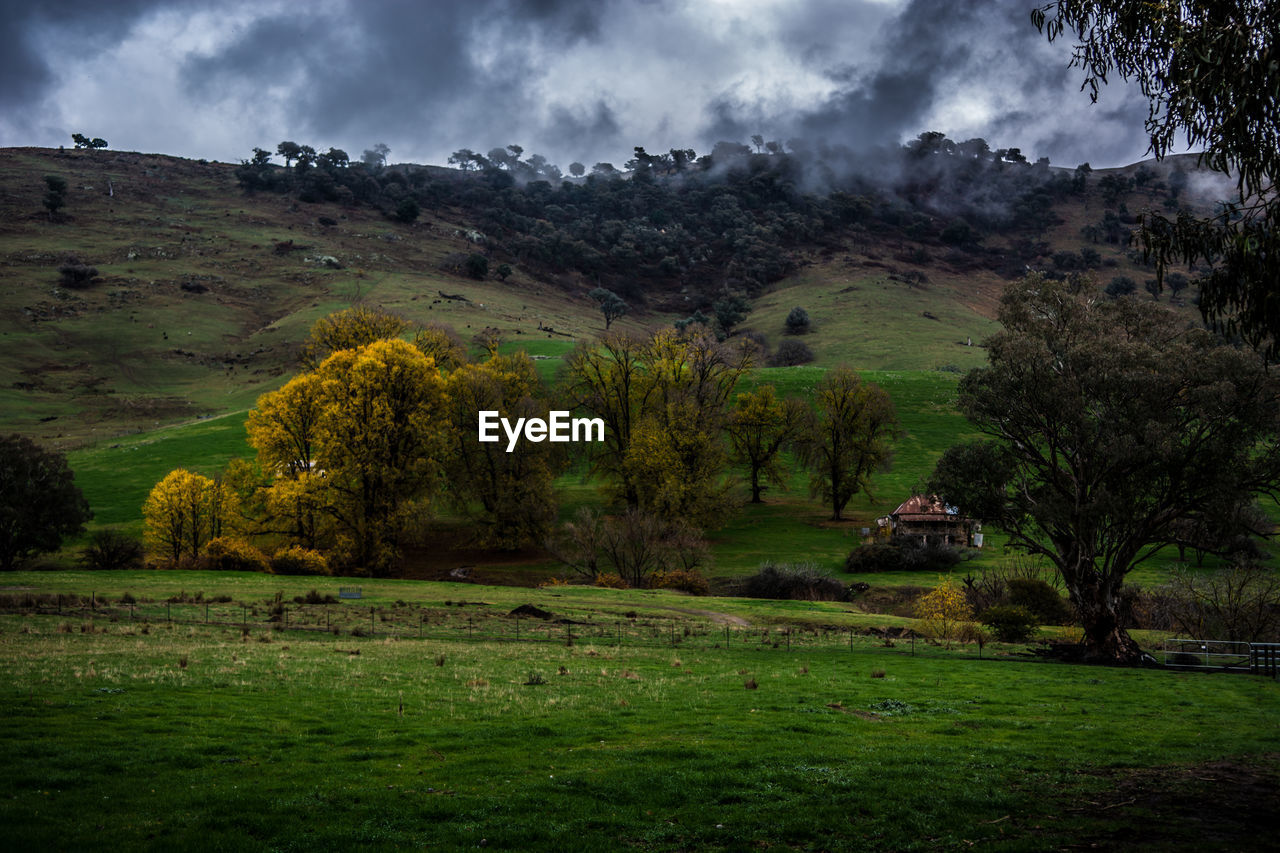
[(574, 80)]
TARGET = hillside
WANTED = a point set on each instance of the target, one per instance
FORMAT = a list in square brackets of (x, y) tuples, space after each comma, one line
[(204, 291)]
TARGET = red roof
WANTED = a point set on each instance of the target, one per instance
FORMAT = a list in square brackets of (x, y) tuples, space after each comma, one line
[(925, 508)]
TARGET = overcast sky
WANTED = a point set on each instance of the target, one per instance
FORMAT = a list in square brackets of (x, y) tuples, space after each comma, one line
[(579, 80)]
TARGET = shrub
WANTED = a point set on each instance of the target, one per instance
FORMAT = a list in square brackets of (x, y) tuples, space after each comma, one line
[(944, 612), (1041, 599), (228, 554), (902, 556), (788, 582), (797, 322), (1010, 623), (791, 353), (685, 580), (611, 580), (111, 549), (874, 557), (407, 210), (1121, 285), (477, 266), (296, 560), (75, 274)]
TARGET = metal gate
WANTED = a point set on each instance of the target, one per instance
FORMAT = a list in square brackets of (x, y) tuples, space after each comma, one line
[(1223, 656)]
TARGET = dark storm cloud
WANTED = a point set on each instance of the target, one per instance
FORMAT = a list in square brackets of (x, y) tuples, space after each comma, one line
[(935, 55), (454, 72), (26, 66), (572, 79)]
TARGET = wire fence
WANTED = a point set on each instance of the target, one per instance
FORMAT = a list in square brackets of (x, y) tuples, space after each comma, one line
[(465, 621)]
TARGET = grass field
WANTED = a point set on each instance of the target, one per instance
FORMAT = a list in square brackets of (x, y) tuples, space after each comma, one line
[(134, 734)]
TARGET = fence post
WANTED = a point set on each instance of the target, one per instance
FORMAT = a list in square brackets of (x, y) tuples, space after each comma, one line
[(726, 636)]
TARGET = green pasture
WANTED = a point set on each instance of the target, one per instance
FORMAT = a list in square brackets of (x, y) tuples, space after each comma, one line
[(119, 734)]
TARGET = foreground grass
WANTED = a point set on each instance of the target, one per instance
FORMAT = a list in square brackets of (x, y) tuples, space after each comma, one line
[(192, 737)]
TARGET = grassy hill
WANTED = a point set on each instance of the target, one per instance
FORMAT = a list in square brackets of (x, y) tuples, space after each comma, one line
[(205, 294)]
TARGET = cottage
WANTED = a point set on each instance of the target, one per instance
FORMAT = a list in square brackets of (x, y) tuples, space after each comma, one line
[(928, 521)]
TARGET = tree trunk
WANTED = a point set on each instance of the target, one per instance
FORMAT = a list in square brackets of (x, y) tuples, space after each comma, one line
[(1105, 640)]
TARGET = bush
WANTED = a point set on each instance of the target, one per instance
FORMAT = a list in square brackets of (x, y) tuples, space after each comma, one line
[(902, 556), (110, 549), (477, 266), (788, 582), (1010, 623), (791, 353), (874, 557), (407, 210), (228, 554), (296, 560), (797, 322), (76, 275), (685, 580), (1121, 285), (1041, 599), (611, 580)]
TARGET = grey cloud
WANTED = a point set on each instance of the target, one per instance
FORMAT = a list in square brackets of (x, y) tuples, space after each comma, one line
[(431, 77)]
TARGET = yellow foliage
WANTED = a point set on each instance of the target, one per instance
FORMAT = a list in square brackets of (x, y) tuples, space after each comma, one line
[(350, 329), (233, 555), (360, 437), (283, 428), (183, 512), (944, 611), (296, 560)]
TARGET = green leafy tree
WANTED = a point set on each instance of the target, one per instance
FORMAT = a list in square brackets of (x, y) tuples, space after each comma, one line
[(55, 194), (611, 305), (797, 322), (730, 311), (510, 495), (847, 438), (1109, 426), (40, 503), (1209, 73), (408, 210), (760, 427)]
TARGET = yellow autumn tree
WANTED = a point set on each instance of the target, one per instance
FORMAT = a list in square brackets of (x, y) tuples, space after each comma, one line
[(378, 437), (183, 512), (350, 328), (283, 427), (944, 611)]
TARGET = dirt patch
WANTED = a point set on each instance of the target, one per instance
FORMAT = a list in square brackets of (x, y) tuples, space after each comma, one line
[(532, 611)]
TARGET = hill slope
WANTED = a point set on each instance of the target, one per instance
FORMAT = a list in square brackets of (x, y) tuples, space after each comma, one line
[(205, 293)]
